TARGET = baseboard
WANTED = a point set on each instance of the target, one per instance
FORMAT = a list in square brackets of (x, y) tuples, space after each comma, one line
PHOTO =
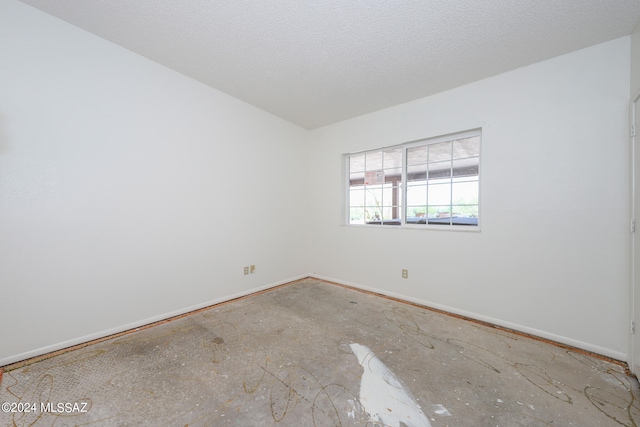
[(87, 339), (616, 355)]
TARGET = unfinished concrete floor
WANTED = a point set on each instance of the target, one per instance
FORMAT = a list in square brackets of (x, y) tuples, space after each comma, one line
[(317, 354)]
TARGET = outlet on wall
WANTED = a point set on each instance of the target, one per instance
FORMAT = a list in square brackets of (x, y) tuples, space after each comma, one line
[(246, 271), (405, 274)]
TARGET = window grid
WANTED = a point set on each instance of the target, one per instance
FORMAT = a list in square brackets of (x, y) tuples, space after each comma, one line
[(428, 183)]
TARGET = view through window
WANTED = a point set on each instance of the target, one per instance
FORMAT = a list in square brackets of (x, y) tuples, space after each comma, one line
[(430, 182)]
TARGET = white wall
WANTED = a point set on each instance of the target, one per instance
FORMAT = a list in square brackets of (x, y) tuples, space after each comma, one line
[(129, 192), (634, 350), (552, 257), (635, 60)]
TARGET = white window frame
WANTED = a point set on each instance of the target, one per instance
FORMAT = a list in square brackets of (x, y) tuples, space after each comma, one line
[(404, 187)]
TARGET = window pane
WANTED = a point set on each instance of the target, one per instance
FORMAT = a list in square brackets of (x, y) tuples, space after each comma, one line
[(356, 197), (373, 196), (439, 214), (439, 170), (389, 213), (372, 213), (387, 195), (395, 197), (440, 151), (374, 177), (356, 163), (466, 211), (356, 184), (416, 214), (464, 193), (356, 178), (356, 215), (392, 158), (417, 155), (373, 160), (467, 147), (466, 167), (417, 173), (439, 194), (417, 195), (393, 174)]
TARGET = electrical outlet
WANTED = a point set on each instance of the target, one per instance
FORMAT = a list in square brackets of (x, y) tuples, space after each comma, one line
[(252, 269), (405, 274), (246, 270)]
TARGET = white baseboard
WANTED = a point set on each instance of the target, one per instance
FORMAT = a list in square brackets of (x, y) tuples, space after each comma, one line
[(514, 326), (129, 326)]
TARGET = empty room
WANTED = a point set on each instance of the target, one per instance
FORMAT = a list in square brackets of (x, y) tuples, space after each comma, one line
[(319, 213)]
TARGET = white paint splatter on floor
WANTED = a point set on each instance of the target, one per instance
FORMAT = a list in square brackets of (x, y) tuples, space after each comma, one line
[(383, 395), (440, 410)]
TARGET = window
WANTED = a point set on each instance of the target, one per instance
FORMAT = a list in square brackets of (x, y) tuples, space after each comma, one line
[(433, 182)]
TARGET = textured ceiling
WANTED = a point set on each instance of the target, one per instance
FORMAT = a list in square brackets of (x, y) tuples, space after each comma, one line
[(316, 62)]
